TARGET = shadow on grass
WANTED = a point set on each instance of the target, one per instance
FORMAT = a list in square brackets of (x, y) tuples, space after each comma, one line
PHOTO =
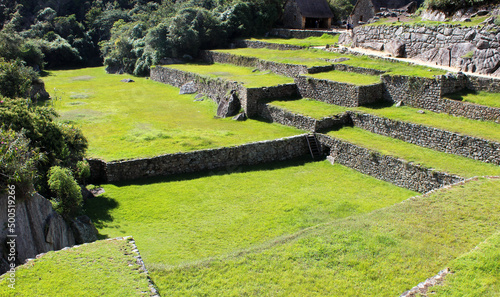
[(218, 172), (459, 96), (98, 209), (379, 105)]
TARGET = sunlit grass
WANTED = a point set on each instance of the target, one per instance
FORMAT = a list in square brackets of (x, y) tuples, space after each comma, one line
[(103, 268), (410, 152), (145, 118), (316, 57), (309, 107), (383, 253), (481, 98), (250, 77), (347, 77), (193, 217), (306, 42)]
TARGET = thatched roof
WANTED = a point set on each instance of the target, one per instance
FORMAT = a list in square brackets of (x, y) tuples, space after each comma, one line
[(314, 9)]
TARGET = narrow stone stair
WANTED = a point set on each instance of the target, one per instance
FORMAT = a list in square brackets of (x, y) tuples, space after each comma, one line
[(314, 146)]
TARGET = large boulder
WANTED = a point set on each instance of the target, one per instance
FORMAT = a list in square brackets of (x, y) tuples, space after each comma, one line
[(229, 106), (377, 46), (396, 48), (84, 230), (38, 92), (188, 88)]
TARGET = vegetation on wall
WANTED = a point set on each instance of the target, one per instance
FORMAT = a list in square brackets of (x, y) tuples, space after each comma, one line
[(454, 5)]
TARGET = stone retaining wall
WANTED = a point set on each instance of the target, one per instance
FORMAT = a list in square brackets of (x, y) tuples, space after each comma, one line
[(169, 164), (287, 118), (300, 34), (216, 88), (269, 45), (427, 93), (474, 49), (338, 93), (396, 171), (433, 138)]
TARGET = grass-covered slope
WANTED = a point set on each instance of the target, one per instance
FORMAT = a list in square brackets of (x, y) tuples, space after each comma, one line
[(347, 77), (476, 273), (383, 253), (305, 42), (102, 268), (193, 217), (482, 98), (145, 118)]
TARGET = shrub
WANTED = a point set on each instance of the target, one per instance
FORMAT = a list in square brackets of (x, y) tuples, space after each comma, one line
[(17, 159), (16, 78), (68, 197), (82, 171)]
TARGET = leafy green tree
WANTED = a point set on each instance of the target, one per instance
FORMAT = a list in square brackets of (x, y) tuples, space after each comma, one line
[(16, 79)]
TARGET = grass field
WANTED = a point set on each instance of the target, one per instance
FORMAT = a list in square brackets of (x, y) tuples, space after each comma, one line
[(347, 77), (306, 42), (475, 21), (145, 118), (316, 57), (482, 129), (103, 268), (413, 153), (250, 77), (482, 98), (383, 253), (188, 218)]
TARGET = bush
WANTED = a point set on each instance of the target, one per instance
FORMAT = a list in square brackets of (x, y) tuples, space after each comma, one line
[(16, 79), (17, 159), (62, 144), (68, 196), (82, 171)]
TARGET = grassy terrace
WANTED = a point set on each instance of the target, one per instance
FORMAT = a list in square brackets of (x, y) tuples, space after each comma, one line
[(482, 98), (316, 57), (347, 77), (476, 273), (481, 129), (97, 269), (427, 157), (306, 42), (248, 76), (475, 21), (145, 118), (383, 253)]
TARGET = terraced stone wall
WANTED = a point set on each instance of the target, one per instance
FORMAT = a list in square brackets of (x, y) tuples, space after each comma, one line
[(338, 93), (474, 49), (284, 117), (427, 93), (260, 44), (387, 168), (216, 88), (433, 138), (203, 160)]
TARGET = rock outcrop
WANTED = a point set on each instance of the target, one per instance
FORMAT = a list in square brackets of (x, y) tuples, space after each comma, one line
[(229, 106), (38, 228)]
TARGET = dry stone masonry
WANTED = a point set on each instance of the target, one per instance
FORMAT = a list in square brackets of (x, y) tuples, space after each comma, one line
[(211, 159), (473, 49), (387, 168), (440, 140)]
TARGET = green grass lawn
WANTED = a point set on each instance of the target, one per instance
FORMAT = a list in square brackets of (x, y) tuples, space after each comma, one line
[(383, 253), (306, 42), (482, 98), (347, 77), (316, 57), (482, 129), (190, 218), (103, 268), (250, 77), (476, 273), (310, 107), (475, 21), (454, 164), (145, 118)]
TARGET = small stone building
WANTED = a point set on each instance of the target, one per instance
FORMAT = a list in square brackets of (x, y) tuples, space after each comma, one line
[(367, 9), (307, 14)]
